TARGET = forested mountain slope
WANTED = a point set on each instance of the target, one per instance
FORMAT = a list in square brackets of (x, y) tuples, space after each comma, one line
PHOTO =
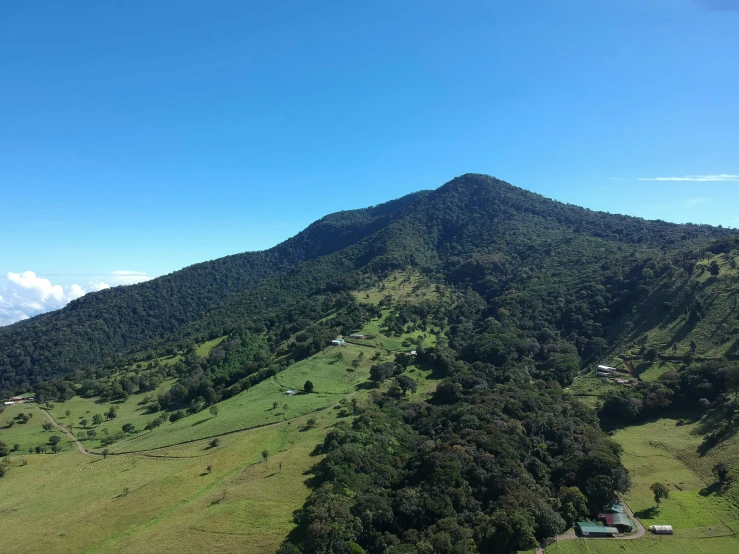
[(507, 244), (103, 324)]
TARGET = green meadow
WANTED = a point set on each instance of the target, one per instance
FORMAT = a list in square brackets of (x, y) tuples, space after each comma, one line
[(182, 494), (331, 372), (69, 502), (703, 521)]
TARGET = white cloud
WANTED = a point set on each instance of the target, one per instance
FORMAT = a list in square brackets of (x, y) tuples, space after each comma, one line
[(125, 277), (702, 178), (26, 294)]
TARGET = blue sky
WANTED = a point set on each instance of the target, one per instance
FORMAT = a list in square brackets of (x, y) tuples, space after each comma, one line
[(139, 138)]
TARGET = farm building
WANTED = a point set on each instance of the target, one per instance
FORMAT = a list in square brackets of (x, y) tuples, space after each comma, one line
[(413, 353), (613, 508), (661, 529), (22, 398), (591, 529), (338, 342), (606, 368), (358, 336), (8, 403), (289, 392), (619, 521)]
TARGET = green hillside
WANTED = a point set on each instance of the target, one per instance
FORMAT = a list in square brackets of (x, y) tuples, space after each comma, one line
[(487, 439)]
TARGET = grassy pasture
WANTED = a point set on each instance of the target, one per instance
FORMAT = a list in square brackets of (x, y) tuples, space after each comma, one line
[(704, 522), (650, 454), (167, 500), (333, 378), (73, 503), (651, 545)]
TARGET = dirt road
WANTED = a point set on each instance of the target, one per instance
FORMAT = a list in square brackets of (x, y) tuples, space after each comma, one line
[(67, 432)]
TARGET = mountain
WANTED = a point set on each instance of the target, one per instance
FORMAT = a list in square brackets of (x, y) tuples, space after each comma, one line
[(509, 300), (474, 231)]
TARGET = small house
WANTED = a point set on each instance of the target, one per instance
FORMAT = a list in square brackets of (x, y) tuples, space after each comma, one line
[(414, 353), (606, 368), (592, 529), (661, 529), (358, 336), (289, 392), (8, 403), (618, 520), (338, 342)]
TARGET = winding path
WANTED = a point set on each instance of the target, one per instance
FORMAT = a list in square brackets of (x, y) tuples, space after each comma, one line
[(67, 432)]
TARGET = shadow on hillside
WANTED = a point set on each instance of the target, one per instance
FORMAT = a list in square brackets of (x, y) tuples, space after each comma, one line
[(201, 421), (647, 513), (713, 488)]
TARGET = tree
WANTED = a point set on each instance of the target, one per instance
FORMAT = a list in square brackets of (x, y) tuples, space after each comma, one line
[(406, 384), (651, 355), (68, 413), (308, 387), (54, 439), (265, 455), (209, 469), (275, 405), (91, 433), (128, 428), (97, 419), (722, 473), (56, 448), (105, 452), (403, 360), (215, 442), (47, 426), (381, 372), (3, 471), (112, 413), (714, 268), (4, 449), (213, 410), (660, 491), (310, 423)]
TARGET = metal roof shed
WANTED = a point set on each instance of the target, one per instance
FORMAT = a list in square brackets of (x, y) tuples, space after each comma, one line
[(620, 521), (661, 529), (590, 529), (614, 508)]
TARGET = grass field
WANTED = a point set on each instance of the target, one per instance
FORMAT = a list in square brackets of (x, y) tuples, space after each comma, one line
[(703, 521), (333, 378), (73, 503), (651, 545), (167, 500), (650, 454)]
